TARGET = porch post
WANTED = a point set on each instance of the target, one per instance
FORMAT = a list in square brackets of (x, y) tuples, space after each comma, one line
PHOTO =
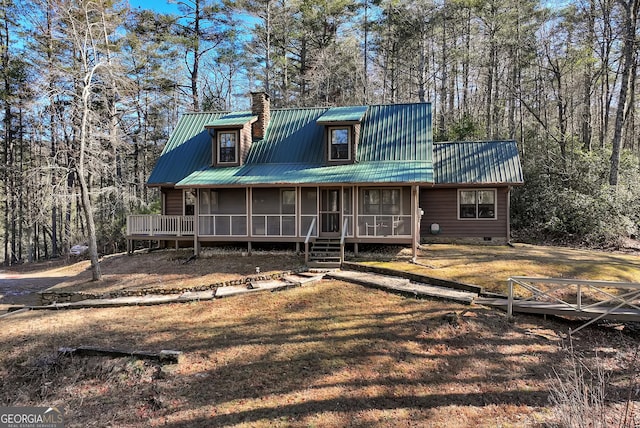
[(508, 215), (356, 211), (415, 232), (196, 225), (248, 194)]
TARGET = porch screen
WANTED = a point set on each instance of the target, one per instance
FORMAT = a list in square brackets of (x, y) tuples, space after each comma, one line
[(273, 212)]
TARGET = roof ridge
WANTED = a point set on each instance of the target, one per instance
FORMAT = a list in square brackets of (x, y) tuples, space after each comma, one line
[(475, 141)]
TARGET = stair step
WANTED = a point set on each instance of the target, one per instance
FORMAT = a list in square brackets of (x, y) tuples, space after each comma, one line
[(325, 252)]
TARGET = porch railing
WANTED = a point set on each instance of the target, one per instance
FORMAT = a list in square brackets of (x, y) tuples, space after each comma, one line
[(160, 225), (222, 225), (273, 224)]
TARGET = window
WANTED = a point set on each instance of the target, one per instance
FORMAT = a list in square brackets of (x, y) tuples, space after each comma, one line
[(339, 144), (381, 201), (474, 204), (227, 147), (189, 202)]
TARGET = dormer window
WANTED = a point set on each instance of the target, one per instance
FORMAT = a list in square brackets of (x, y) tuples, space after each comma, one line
[(228, 147), (342, 130), (340, 143)]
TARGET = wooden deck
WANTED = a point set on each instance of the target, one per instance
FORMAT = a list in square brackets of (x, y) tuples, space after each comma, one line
[(546, 308), (576, 298)]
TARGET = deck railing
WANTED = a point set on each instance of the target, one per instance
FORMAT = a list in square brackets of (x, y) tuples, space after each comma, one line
[(159, 225), (594, 299)]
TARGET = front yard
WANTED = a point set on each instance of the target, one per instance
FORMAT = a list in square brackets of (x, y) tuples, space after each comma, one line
[(327, 354)]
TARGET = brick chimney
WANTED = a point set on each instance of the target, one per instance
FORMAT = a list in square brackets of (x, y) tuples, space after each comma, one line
[(260, 107)]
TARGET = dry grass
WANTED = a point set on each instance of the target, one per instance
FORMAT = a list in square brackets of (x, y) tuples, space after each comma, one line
[(331, 354), (491, 266)]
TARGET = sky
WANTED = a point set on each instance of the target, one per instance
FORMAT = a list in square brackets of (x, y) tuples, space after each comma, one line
[(158, 5)]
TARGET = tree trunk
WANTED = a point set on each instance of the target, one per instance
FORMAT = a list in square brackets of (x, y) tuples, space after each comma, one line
[(630, 24), (87, 208)]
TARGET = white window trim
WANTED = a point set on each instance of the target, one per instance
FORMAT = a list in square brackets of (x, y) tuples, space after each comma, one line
[(495, 204), (330, 144), (218, 146)]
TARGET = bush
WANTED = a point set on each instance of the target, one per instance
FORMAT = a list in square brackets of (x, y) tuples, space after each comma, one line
[(577, 207), (580, 394)]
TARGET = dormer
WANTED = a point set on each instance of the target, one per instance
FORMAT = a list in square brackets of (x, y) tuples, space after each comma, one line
[(231, 138), (342, 132)]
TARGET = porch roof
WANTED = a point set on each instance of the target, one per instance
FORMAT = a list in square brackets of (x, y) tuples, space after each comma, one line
[(418, 172)]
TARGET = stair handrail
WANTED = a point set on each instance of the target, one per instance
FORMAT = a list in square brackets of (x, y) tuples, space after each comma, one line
[(345, 226), (307, 239)]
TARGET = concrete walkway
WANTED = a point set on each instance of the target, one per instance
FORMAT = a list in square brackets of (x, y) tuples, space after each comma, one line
[(289, 281), (404, 286), (388, 283)]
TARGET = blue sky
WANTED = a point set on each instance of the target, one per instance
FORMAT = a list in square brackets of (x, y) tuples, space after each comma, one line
[(158, 5)]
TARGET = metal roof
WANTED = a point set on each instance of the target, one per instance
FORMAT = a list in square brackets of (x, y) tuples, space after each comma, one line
[(395, 145), (292, 136), (398, 132), (188, 149), (232, 119), (343, 114), (480, 162), (298, 173)]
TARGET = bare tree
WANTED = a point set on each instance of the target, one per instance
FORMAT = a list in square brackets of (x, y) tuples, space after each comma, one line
[(629, 54)]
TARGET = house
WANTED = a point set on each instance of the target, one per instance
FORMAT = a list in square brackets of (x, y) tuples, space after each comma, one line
[(326, 177)]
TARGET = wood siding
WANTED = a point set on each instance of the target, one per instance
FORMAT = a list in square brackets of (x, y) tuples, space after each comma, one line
[(245, 142), (441, 206), (173, 202)]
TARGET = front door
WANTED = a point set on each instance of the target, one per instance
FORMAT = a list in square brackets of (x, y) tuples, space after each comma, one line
[(330, 212)]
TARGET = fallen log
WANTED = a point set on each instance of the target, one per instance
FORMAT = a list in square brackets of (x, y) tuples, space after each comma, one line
[(164, 356)]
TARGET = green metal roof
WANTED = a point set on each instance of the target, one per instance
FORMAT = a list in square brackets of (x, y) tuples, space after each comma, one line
[(188, 149), (296, 173), (343, 114), (480, 162), (232, 119), (397, 132), (291, 137), (395, 145)]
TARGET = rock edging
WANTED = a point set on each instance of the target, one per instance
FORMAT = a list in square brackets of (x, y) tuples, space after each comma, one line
[(49, 297)]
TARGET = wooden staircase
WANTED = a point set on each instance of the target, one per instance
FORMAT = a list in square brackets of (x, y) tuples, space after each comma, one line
[(325, 252)]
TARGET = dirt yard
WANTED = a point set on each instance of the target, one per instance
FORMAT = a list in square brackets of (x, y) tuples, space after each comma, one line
[(328, 354)]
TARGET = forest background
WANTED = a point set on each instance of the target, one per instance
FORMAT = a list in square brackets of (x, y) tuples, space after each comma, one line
[(90, 91)]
